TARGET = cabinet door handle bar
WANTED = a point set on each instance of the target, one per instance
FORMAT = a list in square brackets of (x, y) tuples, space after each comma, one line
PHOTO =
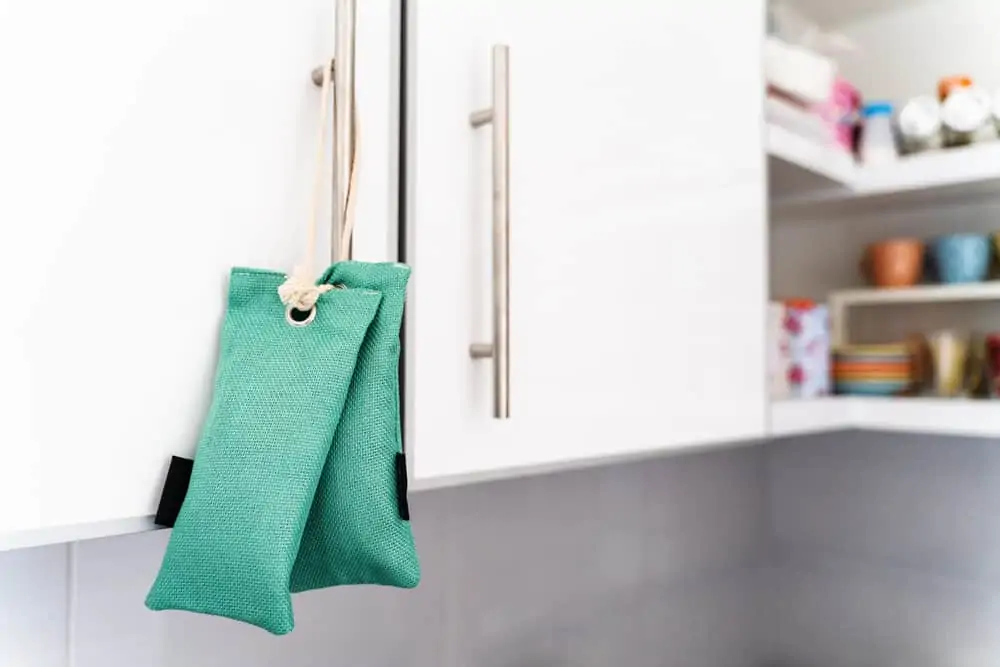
[(498, 116)]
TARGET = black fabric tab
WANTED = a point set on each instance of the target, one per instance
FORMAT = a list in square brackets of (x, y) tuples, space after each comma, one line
[(401, 487), (174, 490)]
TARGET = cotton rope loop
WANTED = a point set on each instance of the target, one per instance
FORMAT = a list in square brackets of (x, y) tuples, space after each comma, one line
[(300, 291)]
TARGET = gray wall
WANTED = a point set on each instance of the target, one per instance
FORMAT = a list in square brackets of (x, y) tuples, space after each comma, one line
[(652, 563), (886, 551), (854, 550)]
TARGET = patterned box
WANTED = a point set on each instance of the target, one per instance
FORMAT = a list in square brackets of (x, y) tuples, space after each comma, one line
[(808, 330)]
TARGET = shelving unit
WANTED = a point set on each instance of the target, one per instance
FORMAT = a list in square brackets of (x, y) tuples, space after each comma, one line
[(841, 301), (952, 190), (932, 416), (798, 153), (804, 173), (963, 168), (809, 416)]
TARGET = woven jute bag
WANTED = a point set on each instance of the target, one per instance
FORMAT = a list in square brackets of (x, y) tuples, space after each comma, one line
[(299, 478)]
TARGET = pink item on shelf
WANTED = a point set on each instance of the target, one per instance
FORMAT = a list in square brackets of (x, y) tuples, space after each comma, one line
[(845, 99), (841, 111)]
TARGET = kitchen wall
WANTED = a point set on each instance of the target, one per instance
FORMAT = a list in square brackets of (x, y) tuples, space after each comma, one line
[(829, 551), (653, 563), (908, 47), (886, 551)]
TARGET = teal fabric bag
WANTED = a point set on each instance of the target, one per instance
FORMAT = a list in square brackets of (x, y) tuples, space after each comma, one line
[(355, 533), (294, 485), (279, 393)]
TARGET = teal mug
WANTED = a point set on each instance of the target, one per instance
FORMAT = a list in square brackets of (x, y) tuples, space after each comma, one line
[(961, 258)]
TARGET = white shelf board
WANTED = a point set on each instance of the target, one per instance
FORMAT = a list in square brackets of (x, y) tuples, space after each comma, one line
[(802, 417), (834, 165), (985, 291), (805, 174), (937, 169), (932, 416), (939, 416)]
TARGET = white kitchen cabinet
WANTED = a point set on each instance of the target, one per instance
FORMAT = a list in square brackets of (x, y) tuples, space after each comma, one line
[(638, 241), (140, 163), (146, 148)]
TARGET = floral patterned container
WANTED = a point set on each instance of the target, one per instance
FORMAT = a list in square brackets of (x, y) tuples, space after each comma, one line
[(778, 359), (808, 329)]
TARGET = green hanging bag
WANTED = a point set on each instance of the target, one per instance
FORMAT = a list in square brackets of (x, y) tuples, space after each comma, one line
[(299, 481), (358, 530), (279, 393)]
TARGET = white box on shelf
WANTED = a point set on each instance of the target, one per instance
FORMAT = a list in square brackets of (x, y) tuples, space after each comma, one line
[(797, 71), (809, 124)]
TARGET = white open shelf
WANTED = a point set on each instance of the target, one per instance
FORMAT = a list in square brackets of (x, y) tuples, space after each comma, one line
[(842, 301), (836, 166), (986, 291), (804, 172), (803, 417), (955, 417), (969, 165)]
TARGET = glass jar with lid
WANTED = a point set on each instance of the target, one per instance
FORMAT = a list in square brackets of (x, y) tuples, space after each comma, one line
[(919, 124)]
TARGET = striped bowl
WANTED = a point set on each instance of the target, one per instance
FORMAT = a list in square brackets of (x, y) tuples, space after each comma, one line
[(873, 370)]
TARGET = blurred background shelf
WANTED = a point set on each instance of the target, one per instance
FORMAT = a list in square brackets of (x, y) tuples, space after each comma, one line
[(803, 170), (840, 301), (805, 416), (966, 168), (800, 153), (985, 291), (957, 417), (805, 174)]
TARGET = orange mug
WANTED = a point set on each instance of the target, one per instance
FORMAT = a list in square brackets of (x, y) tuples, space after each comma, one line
[(893, 263)]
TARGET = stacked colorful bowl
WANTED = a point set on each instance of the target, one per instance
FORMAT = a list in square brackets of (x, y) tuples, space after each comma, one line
[(873, 370)]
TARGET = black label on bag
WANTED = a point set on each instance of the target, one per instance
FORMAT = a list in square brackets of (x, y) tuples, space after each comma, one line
[(401, 487), (174, 490)]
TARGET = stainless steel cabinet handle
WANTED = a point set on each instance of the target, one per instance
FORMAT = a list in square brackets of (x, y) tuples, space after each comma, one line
[(498, 116)]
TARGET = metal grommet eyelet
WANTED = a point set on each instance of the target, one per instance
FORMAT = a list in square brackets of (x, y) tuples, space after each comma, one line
[(300, 318)]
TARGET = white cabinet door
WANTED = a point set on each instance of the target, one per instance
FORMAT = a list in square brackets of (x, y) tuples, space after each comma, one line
[(637, 251), (146, 148)]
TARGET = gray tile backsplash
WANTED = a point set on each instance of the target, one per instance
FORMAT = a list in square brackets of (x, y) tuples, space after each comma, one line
[(33, 598), (639, 565), (848, 550), (911, 501), (886, 551), (844, 613)]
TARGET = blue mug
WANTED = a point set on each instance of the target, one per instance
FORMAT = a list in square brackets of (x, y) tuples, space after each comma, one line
[(961, 258)]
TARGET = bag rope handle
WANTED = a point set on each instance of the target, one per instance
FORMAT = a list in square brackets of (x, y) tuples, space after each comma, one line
[(300, 291)]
